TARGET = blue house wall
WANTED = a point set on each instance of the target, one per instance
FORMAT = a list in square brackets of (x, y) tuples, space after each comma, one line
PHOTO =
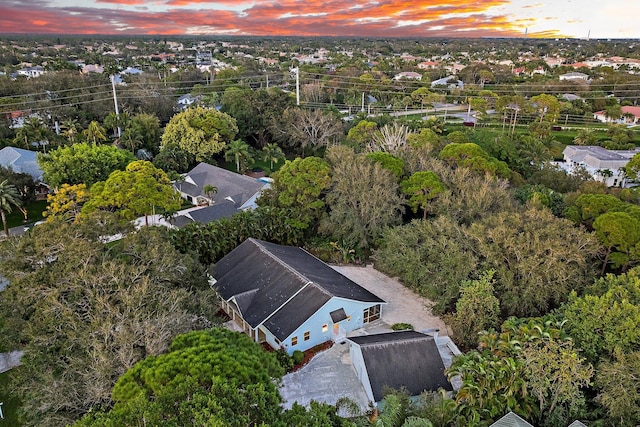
[(320, 327)]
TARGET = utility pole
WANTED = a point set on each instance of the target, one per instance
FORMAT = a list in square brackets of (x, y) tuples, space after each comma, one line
[(362, 109), (298, 86), (115, 102)]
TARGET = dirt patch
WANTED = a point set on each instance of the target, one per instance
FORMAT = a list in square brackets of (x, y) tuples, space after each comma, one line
[(403, 305)]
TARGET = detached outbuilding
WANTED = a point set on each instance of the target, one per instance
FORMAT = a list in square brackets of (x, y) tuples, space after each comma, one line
[(288, 298), (404, 360)]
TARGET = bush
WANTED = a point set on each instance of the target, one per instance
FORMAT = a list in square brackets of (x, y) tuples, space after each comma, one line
[(402, 327), (298, 357), (285, 360)]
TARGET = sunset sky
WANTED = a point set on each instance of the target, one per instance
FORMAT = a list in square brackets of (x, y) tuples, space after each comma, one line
[(375, 18)]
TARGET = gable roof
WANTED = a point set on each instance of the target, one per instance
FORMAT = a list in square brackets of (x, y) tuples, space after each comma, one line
[(21, 161), (577, 423), (511, 420), (230, 185), (281, 286), (405, 359)]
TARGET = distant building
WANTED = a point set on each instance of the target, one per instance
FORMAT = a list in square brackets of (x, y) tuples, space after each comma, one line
[(574, 76), (31, 72), (450, 82), (603, 165), (409, 75), (630, 116)]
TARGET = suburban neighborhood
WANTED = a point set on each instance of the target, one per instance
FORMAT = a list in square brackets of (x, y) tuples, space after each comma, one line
[(288, 231)]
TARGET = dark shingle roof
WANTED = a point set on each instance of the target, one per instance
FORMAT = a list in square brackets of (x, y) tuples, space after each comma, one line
[(511, 420), (287, 285), (239, 188), (405, 359)]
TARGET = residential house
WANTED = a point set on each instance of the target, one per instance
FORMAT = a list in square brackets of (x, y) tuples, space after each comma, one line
[(186, 100), (428, 65), (630, 115), (602, 164), (20, 160), (408, 75), (24, 161), (234, 192), (405, 360), (31, 72), (450, 82), (574, 76), (287, 298)]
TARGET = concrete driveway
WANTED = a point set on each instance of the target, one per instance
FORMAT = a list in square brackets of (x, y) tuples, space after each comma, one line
[(330, 375)]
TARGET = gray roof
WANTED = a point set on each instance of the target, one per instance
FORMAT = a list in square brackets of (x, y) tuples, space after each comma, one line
[(230, 185), (405, 359), (577, 423), (223, 209), (21, 161), (511, 420), (281, 286), (599, 157)]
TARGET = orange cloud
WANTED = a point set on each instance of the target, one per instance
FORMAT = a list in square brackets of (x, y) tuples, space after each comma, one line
[(381, 18)]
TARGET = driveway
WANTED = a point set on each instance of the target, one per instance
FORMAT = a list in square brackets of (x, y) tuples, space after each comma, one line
[(330, 375)]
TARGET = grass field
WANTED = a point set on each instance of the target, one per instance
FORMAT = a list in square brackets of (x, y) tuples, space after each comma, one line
[(34, 213)]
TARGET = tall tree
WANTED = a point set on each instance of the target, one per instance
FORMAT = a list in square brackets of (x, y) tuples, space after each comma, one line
[(272, 153), (84, 313), (82, 163), (517, 245), (421, 188), (138, 190), (299, 187), (200, 132), (240, 152), (9, 197), (364, 199), (302, 128), (94, 133)]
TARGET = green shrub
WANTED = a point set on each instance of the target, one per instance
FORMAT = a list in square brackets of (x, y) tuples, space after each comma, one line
[(285, 360), (402, 327), (298, 357)]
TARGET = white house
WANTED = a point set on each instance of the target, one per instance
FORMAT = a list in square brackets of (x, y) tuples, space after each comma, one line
[(574, 76), (602, 164), (450, 82), (31, 72), (408, 75), (289, 299)]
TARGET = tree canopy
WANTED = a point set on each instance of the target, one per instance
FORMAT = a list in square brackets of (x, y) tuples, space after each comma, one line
[(201, 132), (85, 312), (82, 164)]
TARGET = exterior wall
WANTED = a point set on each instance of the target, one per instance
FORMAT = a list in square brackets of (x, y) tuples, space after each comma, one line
[(314, 324), (361, 370)]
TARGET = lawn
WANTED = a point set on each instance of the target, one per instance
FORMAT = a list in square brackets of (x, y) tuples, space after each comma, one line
[(34, 213), (10, 404)]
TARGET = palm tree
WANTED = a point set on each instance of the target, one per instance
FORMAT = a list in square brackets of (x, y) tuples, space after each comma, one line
[(272, 153), (9, 197), (210, 190), (94, 132), (131, 138), (238, 151), (585, 137), (70, 130)]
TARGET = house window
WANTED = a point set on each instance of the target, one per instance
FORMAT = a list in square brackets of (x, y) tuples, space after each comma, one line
[(371, 313), (325, 327), (307, 335), (294, 341)]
